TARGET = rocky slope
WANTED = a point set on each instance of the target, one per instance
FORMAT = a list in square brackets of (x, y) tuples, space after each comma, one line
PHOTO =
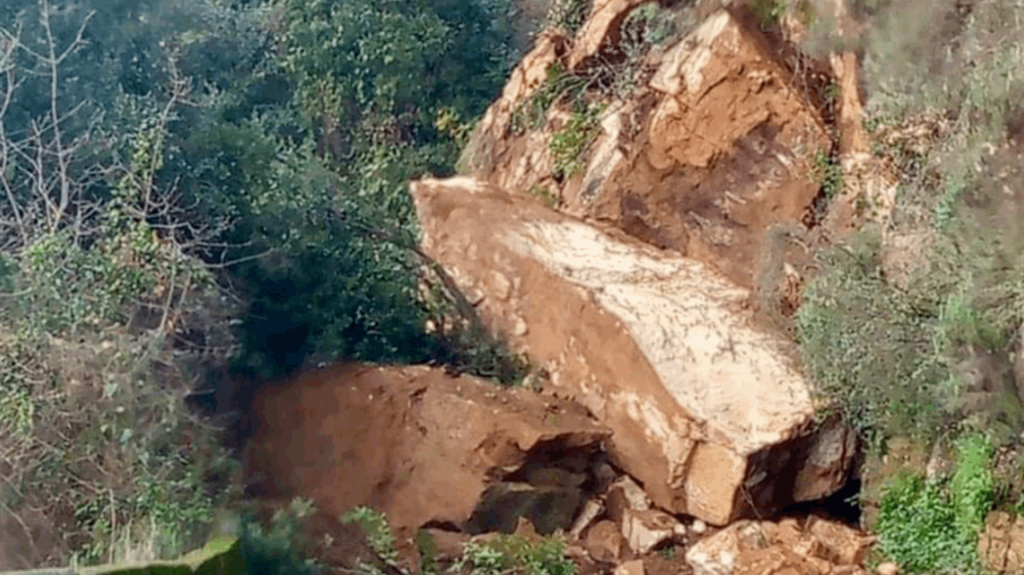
[(625, 237)]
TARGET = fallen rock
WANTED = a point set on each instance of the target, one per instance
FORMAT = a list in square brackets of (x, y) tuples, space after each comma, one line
[(624, 494), (630, 567), (605, 542), (716, 148), (709, 413), (590, 510), (644, 530), (717, 554), (698, 527), (888, 569), (1001, 544), (765, 547), (353, 435), (842, 544)]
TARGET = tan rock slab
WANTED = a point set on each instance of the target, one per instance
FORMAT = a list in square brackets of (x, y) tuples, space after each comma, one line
[(659, 348)]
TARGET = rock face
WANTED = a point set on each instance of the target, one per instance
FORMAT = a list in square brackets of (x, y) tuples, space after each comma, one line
[(421, 446), (713, 150), (1001, 544), (709, 413)]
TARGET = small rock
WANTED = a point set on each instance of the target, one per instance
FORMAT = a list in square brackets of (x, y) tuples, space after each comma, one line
[(698, 526), (603, 474), (630, 567), (624, 495), (520, 328), (888, 569), (646, 529), (604, 542), (591, 509), (843, 544)]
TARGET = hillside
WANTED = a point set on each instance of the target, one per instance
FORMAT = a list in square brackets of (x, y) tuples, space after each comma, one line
[(512, 286)]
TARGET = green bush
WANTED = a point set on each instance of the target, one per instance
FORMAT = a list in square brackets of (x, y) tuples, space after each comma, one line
[(570, 143), (917, 529), (569, 15), (867, 344), (972, 487), (932, 527), (509, 554)]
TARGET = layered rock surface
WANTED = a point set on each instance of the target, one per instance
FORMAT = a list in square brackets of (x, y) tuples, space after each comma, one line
[(708, 411), (714, 149)]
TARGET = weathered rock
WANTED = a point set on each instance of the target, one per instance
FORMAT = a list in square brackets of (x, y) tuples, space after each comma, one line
[(588, 512), (487, 147), (660, 348), (698, 527), (725, 153), (624, 494), (600, 29), (1001, 544), (841, 544), (605, 542), (888, 569), (630, 567), (646, 529), (358, 435), (765, 547), (703, 160)]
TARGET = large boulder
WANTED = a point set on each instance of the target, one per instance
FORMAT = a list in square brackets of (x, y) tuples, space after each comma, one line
[(708, 411), (717, 146), (422, 446)]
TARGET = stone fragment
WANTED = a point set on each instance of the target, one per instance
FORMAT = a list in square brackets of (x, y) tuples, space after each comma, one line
[(624, 494), (605, 542), (842, 544), (644, 530), (630, 567)]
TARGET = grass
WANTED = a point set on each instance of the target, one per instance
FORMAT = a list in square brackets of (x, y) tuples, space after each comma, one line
[(504, 554), (827, 173), (509, 554), (931, 527), (559, 85)]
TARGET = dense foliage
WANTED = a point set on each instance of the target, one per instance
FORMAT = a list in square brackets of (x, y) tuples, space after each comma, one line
[(192, 187)]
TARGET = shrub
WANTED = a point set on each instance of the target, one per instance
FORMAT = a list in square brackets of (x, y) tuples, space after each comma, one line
[(917, 529), (972, 487), (867, 344), (570, 143)]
